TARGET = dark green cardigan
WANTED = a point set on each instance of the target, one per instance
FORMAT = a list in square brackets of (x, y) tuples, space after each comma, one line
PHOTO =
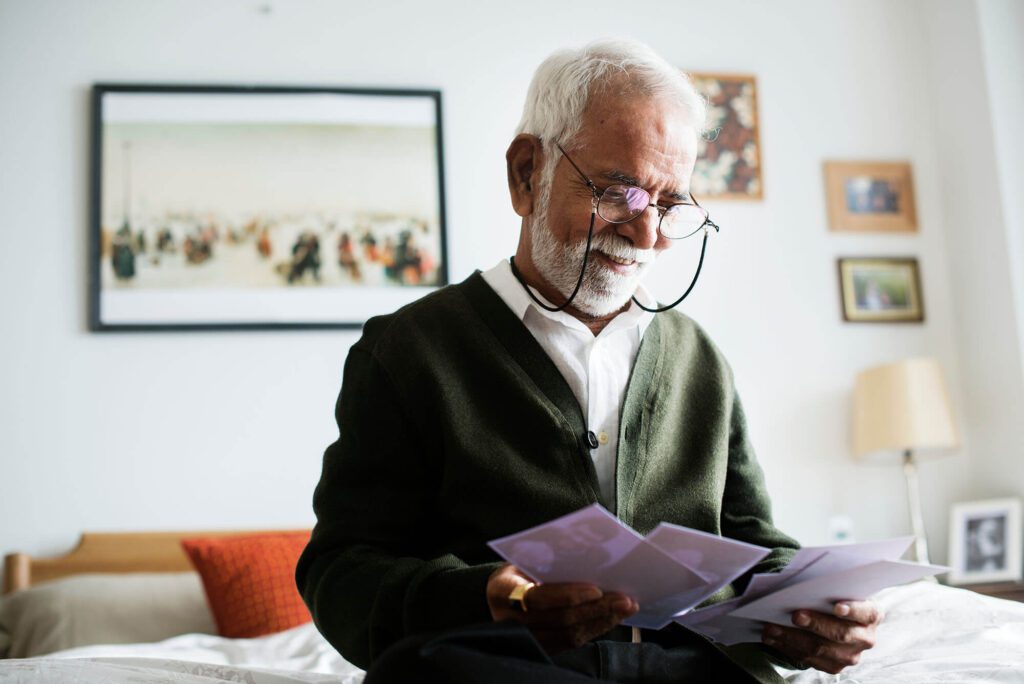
[(456, 428)]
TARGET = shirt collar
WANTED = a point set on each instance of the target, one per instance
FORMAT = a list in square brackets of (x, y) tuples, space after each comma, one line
[(504, 283)]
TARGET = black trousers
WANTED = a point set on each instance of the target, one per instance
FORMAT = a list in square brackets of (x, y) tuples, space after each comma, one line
[(506, 653)]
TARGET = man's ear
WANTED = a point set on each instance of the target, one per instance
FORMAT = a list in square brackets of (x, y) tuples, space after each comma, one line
[(525, 158)]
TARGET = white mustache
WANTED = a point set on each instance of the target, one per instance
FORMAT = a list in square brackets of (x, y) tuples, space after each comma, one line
[(620, 248)]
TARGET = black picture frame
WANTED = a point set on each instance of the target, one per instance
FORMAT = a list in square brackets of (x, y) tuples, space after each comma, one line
[(245, 296)]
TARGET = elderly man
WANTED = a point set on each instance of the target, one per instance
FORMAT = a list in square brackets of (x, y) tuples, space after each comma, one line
[(538, 387)]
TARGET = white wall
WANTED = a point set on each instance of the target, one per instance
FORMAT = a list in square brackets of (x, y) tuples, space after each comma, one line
[(973, 84), (1000, 468), (149, 431)]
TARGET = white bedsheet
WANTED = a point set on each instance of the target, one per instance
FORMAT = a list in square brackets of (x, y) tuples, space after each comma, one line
[(932, 634), (296, 655)]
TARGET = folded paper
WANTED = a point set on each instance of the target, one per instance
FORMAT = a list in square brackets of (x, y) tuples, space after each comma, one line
[(674, 569)]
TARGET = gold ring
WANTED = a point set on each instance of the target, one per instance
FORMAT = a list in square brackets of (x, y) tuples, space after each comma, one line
[(517, 597)]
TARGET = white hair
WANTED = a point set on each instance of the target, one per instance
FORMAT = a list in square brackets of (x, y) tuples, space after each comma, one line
[(563, 83)]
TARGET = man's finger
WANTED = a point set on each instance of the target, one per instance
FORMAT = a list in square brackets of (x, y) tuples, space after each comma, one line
[(611, 609), (864, 612), (836, 629), (555, 639), (545, 597), (832, 666), (811, 649)]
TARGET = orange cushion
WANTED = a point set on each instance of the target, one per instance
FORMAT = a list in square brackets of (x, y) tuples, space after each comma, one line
[(250, 581)]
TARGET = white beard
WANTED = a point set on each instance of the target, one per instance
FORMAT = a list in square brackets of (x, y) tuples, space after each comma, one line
[(603, 291)]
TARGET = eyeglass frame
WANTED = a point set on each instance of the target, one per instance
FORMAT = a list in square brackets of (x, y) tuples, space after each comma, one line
[(662, 211)]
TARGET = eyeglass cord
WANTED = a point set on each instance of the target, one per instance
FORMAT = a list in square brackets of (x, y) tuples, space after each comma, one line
[(700, 265), (583, 270), (579, 281)]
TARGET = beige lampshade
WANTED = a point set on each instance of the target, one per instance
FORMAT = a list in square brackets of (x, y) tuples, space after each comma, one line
[(901, 406)]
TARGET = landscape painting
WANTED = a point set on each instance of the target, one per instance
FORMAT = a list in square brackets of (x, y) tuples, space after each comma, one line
[(225, 207)]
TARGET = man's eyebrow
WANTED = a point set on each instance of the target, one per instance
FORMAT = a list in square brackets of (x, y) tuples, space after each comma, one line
[(622, 177), (626, 179)]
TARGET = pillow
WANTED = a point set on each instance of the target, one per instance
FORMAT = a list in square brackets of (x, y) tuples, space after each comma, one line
[(250, 581), (102, 609)]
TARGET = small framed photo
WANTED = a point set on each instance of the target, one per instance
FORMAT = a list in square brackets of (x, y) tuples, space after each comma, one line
[(238, 207), (729, 157), (873, 197), (880, 290), (985, 541)]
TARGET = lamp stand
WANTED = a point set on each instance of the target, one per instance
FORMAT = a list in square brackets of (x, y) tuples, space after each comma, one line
[(914, 499)]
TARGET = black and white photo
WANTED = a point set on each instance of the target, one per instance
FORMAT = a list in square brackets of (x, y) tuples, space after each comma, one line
[(985, 541)]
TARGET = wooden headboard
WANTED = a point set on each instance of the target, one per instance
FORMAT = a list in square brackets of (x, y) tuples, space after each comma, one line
[(109, 552)]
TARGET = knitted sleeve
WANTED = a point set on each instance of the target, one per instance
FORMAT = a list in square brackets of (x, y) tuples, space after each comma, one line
[(362, 575)]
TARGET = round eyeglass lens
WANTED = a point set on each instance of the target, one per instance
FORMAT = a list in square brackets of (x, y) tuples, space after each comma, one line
[(621, 203), (682, 221)]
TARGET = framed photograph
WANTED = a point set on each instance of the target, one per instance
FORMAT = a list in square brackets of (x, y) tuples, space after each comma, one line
[(880, 290), (729, 156), (874, 197), (985, 541), (220, 207)]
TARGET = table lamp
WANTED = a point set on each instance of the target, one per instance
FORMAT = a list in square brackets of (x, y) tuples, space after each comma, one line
[(904, 407)]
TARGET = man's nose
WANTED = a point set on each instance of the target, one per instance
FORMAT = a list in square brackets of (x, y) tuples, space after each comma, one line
[(642, 230)]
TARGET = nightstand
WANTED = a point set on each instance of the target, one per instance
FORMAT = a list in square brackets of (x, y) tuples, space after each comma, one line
[(1013, 591)]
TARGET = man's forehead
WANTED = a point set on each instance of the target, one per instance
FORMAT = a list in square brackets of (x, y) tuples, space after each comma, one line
[(641, 142), (624, 113)]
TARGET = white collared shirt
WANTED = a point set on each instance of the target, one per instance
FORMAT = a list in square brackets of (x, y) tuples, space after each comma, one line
[(597, 368)]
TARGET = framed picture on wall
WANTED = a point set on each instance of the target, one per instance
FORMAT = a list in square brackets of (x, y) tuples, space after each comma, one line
[(985, 541), (729, 155), (873, 197), (263, 207), (880, 290)]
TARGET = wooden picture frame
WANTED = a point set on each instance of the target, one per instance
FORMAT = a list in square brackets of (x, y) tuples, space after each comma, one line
[(249, 207), (985, 541), (870, 197), (880, 290), (729, 164)]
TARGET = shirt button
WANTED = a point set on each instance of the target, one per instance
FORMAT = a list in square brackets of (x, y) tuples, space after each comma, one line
[(602, 437)]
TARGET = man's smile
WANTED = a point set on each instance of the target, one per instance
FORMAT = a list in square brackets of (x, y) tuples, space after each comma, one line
[(617, 260), (621, 264)]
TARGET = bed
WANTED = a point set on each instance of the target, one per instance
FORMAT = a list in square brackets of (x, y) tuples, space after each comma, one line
[(130, 607), (160, 628)]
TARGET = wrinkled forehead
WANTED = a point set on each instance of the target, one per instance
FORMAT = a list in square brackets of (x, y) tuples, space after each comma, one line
[(638, 120), (644, 137)]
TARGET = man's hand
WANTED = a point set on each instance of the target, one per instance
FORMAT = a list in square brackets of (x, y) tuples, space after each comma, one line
[(560, 616), (827, 642)]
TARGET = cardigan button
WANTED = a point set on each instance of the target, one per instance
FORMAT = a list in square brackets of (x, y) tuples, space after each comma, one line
[(591, 439)]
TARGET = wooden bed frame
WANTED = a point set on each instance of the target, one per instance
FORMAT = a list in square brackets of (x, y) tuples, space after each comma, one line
[(110, 552)]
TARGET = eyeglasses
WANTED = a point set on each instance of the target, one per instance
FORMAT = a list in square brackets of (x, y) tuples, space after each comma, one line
[(621, 203)]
